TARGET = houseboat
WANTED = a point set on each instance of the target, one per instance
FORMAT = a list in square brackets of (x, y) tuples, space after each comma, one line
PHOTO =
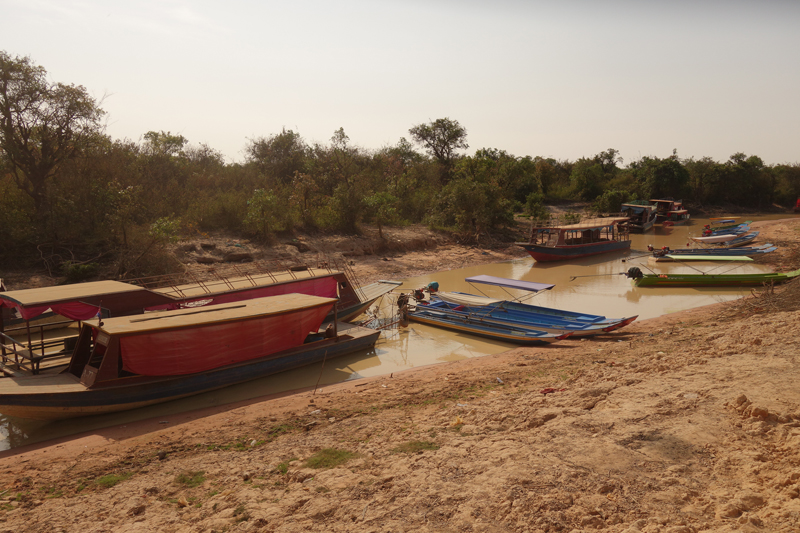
[(588, 237)]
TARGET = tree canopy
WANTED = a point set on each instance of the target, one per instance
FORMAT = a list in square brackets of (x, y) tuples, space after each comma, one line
[(70, 193), (42, 125)]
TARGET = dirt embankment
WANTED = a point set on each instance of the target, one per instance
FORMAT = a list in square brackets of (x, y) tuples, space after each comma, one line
[(685, 423)]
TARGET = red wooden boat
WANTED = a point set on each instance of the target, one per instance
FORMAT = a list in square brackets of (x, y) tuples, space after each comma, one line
[(26, 346), (133, 361)]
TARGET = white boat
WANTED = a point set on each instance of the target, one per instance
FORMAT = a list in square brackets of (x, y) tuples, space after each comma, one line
[(713, 239)]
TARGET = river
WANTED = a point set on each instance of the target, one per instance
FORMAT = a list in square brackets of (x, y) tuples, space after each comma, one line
[(593, 285)]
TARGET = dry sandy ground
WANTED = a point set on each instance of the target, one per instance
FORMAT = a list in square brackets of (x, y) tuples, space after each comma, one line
[(685, 423)]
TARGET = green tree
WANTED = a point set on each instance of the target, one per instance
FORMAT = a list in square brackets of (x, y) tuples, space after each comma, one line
[(441, 138), (474, 202), (747, 181), (589, 177), (382, 209), (661, 178), (705, 180), (261, 209), (164, 143), (42, 125), (279, 156)]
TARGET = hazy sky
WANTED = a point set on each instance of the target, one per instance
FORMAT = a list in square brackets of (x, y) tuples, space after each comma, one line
[(562, 79)]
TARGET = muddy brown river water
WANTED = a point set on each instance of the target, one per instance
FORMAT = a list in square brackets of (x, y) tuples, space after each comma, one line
[(593, 285)]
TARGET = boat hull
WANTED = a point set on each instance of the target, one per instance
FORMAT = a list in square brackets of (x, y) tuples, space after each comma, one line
[(506, 334), (560, 253), (50, 397), (713, 280), (515, 314)]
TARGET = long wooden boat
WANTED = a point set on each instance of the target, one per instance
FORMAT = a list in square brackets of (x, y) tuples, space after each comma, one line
[(505, 316), (514, 312), (707, 280), (571, 241), (748, 251), (736, 229), (740, 240), (641, 216), (83, 301), (506, 333), (715, 239), (134, 361)]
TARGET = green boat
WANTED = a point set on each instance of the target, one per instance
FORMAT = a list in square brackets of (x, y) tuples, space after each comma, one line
[(641, 279)]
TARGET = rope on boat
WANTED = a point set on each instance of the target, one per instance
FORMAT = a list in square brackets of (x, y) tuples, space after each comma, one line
[(573, 278)]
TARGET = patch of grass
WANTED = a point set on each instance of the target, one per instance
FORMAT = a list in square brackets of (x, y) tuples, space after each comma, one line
[(191, 479), (241, 513), (416, 446), (283, 467), (276, 431), (329, 458), (110, 480), (52, 492)]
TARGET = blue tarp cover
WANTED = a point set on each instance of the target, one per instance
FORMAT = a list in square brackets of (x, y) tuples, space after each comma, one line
[(511, 283)]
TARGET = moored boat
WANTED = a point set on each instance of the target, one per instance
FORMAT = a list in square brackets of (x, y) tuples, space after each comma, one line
[(583, 239), (511, 311), (510, 315), (129, 362), (641, 216), (33, 346), (747, 251), (641, 279), (670, 212), (500, 332)]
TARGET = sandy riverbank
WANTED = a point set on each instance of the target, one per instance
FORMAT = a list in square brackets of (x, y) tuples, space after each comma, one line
[(688, 422)]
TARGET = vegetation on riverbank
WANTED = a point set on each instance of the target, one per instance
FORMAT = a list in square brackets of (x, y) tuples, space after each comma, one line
[(78, 202)]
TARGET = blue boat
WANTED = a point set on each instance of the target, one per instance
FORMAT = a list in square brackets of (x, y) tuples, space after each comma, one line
[(489, 311), (500, 332)]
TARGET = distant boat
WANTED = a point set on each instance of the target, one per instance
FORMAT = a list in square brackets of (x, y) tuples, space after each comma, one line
[(570, 241), (641, 216), (134, 361), (670, 212)]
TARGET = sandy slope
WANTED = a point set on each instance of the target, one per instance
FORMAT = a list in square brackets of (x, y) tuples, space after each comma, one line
[(689, 422)]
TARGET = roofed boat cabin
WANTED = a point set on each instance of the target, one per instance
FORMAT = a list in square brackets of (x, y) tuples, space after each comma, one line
[(569, 241)]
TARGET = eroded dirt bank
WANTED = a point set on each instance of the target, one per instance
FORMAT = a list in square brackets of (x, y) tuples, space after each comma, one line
[(689, 422)]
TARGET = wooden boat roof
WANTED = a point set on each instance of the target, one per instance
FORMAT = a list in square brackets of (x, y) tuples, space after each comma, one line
[(212, 314), (510, 283), (76, 292), (228, 283), (378, 289), (591, 223)]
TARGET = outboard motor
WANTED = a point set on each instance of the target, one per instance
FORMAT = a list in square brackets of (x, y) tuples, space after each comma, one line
[(634, 273), (402, 300)]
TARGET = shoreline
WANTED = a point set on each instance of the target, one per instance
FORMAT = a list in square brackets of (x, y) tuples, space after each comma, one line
[(646, 431)]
